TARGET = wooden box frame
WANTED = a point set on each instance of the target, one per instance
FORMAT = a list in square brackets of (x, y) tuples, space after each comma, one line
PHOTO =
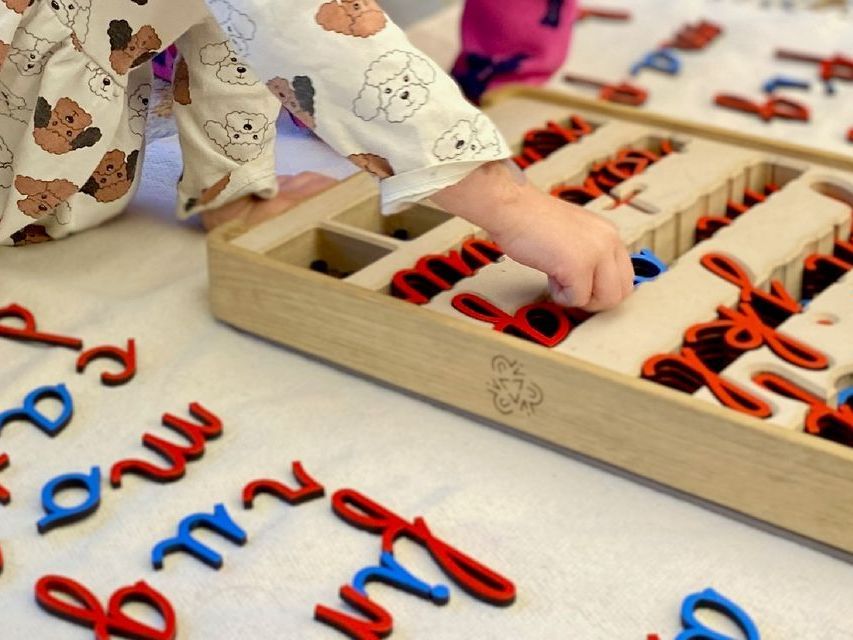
[(791, 480)]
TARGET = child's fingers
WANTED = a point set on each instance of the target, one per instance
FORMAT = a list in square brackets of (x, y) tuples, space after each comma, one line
[(305, 184), (607, 285), (576, 293), (626, 269), (558, 293)]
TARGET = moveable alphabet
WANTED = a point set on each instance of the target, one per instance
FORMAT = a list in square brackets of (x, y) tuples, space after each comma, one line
[(29, 332), (783, 108), (783, 82), (394, 574), (821, 420), (743, 330), (845, 398), (831, 67), (126, 358), (29, 411), (430, 275), (379, 623), (477, 252), (209, 428), (579, 194), (774, 306), (693, 37), (79, 606), (663, 60), (538, 144), (544, 323), (472, 576), (309, 489), (820, 271), (686, 372), (604, 14), (694, 629), (59, 516), (620, 93), (219, 522), (435, 273), (647, 266), (5, 496)]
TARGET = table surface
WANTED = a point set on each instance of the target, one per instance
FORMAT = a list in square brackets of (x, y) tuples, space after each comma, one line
[(593, 554)]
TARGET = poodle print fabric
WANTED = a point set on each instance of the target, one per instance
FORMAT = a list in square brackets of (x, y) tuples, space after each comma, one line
[(76, 78)]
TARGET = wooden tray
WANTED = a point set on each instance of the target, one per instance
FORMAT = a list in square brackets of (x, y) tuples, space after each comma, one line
[(261, 283)]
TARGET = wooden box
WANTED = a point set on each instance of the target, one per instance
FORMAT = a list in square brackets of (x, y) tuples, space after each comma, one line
[(261, 282)]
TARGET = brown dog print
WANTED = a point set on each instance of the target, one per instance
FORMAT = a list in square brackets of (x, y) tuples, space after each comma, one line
[(209, 195), (297, 98), (31, 234), (129, 49), (63, 128), (181, 82), (113, 177), (370, 162), (4, 52), (18, 6), (43, 198), (359, 18)]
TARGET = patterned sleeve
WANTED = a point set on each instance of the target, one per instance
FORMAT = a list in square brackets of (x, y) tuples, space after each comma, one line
[(343, 68), (226, 121)]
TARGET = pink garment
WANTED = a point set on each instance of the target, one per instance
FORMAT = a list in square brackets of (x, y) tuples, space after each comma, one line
[(164, 64), (504, 42)]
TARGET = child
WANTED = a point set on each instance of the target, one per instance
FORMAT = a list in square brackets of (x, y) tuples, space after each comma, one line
[(74, 92)]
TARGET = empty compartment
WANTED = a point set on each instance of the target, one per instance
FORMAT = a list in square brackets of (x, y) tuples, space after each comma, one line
[(406, 225), (329, 252)]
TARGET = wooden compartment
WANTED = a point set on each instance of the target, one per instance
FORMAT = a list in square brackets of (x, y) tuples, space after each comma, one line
[(408, 224), (585, 394)]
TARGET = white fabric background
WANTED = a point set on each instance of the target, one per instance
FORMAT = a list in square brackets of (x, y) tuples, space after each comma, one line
[(594, 555), (738, 62)]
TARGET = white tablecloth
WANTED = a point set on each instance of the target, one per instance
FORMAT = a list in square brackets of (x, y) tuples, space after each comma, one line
[(593, 555)]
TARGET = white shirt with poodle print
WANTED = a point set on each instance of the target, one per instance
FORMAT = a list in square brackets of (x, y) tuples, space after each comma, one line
[(75, 84)]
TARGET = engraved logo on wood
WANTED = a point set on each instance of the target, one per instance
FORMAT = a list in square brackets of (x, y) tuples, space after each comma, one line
[(511, 391)]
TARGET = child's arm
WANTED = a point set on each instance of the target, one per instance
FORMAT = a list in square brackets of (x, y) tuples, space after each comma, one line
[(348, 72), (582, 253), (226, 121)]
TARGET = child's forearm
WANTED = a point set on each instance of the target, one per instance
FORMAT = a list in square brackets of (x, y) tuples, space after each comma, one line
[(496, 197), (581, 252)]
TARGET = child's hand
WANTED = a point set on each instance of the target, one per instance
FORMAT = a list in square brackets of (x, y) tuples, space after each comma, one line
[(253, 210), (586, 263)]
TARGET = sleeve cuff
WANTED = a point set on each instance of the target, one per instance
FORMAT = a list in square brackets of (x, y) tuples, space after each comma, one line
[(405, 189), (237, 184)]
